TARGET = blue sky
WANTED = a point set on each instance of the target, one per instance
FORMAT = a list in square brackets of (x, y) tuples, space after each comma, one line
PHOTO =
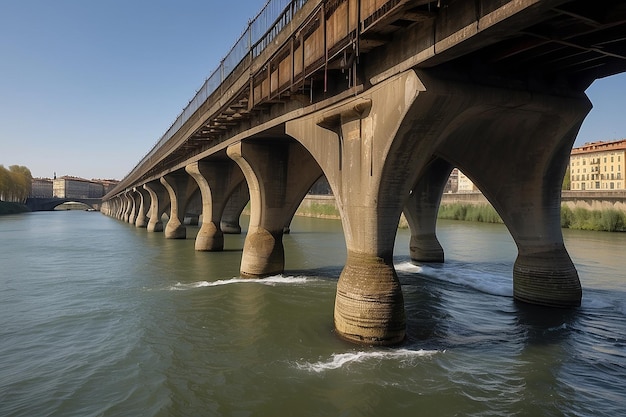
[(87, 87)]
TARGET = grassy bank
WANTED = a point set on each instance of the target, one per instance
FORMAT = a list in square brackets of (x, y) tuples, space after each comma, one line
[(579, 218), (600, 220), (12, 208), (469, 212), (320, 210)]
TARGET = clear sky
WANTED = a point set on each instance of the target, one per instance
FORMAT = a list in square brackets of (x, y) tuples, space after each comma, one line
[(88, 87)]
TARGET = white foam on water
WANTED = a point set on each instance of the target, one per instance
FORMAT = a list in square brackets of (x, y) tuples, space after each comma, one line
[(272, 281), (490, 282), (339, 360), (408, 267)]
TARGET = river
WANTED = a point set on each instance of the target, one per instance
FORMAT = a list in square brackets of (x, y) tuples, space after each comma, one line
[(98, 318)]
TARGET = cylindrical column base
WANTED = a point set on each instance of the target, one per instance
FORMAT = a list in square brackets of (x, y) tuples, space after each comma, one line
[(426, 248), (263, 254), (175, 230), (547, 278), (230, 228), (210, 238), (141, 221), (155, 226), (369, 306)]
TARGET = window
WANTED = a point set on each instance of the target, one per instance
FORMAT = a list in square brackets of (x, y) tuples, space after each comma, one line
[(598, 184)]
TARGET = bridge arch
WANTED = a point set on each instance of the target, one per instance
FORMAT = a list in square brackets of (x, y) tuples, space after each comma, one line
[(49, 204)]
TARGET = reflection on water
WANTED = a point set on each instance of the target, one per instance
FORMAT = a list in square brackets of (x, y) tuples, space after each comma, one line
[(100, 318)]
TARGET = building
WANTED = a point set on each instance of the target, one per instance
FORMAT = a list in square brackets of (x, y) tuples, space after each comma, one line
[(598, 166), (41, 188), (73, 187), (465, 185), (108, 185), (452, 186)]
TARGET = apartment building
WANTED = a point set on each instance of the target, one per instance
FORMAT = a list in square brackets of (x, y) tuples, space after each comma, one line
[(598, 166), (73, 187)]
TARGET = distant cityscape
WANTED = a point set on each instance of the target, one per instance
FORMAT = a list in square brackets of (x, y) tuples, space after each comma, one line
[(71, 187), (597, 165)]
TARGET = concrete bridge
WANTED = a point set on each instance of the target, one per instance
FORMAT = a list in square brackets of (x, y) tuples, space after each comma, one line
[(49, 204), (384, 98)]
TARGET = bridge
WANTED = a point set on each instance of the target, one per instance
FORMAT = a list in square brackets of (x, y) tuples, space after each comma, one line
[(383, 98), (49, 204)]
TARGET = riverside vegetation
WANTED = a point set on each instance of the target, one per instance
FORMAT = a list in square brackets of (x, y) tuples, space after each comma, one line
[(609, 220), (15, 185)]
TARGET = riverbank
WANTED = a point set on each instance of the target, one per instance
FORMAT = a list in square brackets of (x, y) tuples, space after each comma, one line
[(603, 220), (606, 220), (12, 208)]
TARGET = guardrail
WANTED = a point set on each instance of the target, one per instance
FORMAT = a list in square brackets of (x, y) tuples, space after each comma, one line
[(261, 30)]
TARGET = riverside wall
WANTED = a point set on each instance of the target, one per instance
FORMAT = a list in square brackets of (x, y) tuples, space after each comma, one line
[(324, 206)]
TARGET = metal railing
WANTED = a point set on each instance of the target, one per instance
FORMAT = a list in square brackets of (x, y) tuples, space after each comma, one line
[(261, 31)]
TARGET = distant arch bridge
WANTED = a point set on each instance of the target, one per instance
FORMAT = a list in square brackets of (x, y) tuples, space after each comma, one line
[(49, 204)]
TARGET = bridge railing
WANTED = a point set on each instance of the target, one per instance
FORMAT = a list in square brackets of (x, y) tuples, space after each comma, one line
[(260, 32)]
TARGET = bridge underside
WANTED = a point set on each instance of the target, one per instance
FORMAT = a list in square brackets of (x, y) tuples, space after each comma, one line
[(384, 99), (383, 151)]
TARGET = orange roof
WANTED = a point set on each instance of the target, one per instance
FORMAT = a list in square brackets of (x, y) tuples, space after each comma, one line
[(600, 146)]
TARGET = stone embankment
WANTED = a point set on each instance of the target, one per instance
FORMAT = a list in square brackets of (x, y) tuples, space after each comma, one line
[(12, 208)]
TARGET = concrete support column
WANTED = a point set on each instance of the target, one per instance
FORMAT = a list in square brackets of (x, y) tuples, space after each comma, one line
[(279, 174), (144, 205), (112, 207), (121, 207), (233, 209), (117, 208), (515, 147), (179, 186), (421, 212), (371, 178), (216, 181), (128, 207), (134, 207), (159, 200)]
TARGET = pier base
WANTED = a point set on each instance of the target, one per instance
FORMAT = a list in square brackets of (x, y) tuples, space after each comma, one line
[(369, 306), (263, 254)]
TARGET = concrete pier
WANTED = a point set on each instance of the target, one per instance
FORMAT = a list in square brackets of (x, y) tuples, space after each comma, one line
[(159, 201), (279, 173), (179, 186), (217, 180)]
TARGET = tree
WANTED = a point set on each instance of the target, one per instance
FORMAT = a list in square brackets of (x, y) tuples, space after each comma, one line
[(15, 183), (4, 183)]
